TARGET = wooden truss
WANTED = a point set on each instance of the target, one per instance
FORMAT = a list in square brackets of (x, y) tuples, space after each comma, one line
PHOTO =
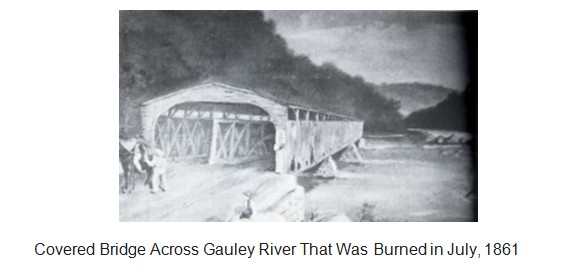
[(234, 139), (221, 140), (183, 138)]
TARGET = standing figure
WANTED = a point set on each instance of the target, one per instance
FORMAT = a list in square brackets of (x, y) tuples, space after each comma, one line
[(153, 161), (249, 209)]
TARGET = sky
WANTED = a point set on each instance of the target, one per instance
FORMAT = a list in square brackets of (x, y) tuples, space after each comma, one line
[(381, 46)]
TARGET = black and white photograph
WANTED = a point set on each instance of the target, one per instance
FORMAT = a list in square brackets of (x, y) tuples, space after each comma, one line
[(298, 116)]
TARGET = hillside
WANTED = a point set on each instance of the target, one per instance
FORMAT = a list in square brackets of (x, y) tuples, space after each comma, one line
[(456, 112), (161, 51), (414, 96)]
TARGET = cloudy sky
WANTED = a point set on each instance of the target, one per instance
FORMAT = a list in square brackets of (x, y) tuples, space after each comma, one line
[(381, 46)]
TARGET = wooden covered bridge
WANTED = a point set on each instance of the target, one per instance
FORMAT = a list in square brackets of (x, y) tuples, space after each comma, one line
[(227, 124)]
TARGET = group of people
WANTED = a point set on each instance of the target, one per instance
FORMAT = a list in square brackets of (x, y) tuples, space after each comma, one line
[(137, 156)]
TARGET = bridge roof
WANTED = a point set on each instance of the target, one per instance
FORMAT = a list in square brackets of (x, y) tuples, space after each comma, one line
[(269, 97)]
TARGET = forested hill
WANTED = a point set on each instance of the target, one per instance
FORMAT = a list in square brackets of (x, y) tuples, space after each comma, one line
[(414, 96), (161, 51), (456, 112)]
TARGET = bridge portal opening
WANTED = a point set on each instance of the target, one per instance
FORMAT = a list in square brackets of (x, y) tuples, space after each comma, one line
[(213, 132)]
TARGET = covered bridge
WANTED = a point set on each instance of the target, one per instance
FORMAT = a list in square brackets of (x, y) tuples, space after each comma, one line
[(227, 124)]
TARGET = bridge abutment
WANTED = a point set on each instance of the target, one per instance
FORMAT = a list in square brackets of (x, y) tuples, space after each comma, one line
[(327, 169), (351, 154)]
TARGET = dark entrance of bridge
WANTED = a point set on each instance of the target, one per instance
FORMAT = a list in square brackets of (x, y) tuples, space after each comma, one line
[(215, 132)]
